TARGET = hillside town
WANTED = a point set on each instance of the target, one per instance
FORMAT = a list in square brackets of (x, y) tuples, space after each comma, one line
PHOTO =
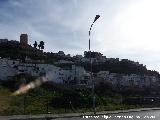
[(74, 73)]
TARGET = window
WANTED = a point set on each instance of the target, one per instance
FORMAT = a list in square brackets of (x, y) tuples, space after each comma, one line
[(83, 82), (21, 70), (87, 77)]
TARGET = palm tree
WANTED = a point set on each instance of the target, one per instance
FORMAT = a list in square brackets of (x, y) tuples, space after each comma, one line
[(41, 45), (35, 44)]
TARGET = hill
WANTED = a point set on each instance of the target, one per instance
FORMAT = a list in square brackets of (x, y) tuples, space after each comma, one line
[(12, 49)]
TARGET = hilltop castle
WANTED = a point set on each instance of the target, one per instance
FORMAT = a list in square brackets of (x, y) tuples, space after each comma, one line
[(23, 40)]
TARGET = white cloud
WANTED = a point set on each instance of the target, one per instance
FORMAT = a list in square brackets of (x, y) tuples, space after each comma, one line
[(126, 29), (132, 32)]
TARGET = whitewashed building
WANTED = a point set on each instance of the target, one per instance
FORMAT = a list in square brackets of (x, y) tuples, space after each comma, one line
[(74, 75), (127, 81), (7, 68)]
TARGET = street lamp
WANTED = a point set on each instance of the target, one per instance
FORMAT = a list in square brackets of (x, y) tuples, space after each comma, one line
[(93, 86), (97, 16)]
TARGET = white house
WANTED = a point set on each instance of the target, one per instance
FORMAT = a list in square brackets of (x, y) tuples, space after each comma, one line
[(75, 75), (7, 68)]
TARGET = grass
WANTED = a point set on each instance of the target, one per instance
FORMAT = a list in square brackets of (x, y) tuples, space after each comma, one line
[(4, 99), (37, 101)]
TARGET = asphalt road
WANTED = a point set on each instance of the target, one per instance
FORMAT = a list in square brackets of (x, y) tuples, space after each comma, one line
[(141, 115), (133, 114)]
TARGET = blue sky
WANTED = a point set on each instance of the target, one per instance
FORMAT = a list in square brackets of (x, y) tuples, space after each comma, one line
[(126, 29)]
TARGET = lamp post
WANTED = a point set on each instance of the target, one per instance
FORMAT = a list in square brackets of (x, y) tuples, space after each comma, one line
[(93, 86)]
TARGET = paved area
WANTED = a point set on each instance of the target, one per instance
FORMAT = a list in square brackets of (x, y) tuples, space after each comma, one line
[(141, 115), (133, 114)]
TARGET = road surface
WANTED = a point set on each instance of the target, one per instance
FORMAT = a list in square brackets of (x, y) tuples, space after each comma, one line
[(120, 115), (142, 115)]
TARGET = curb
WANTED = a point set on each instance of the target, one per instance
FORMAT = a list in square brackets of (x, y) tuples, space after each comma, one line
[(70, 115)]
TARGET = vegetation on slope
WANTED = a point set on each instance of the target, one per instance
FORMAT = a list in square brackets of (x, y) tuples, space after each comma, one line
[(56, 98)]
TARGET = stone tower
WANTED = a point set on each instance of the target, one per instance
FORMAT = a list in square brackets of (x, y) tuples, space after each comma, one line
[(23, 40)]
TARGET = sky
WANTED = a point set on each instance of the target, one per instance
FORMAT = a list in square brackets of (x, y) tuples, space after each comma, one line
[(126, 29)]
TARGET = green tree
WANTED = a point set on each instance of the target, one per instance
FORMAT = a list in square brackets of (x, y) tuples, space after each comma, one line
[(35, 44), (41, 45)]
